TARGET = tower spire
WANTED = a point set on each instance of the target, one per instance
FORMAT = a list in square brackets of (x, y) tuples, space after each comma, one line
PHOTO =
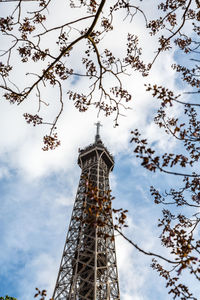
[(97, 136)]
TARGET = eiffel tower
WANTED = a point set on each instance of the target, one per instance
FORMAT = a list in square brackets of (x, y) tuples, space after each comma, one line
[(88, 268)]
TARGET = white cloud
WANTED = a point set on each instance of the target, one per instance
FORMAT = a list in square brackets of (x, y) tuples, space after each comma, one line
[(4, 172)]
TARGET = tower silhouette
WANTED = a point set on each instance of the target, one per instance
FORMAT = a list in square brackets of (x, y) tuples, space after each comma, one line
[(88, 268)]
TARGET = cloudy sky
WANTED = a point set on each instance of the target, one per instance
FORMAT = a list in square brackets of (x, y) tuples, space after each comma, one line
[(38, 188)]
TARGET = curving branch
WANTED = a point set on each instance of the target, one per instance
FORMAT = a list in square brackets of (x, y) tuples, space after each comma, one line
[(176, 263)]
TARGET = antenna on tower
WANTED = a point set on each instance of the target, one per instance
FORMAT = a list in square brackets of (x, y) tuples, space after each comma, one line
[(97, 136)]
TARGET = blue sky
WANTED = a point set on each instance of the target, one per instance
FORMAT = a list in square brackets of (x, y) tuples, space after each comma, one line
[(33, 227), (38, 188)]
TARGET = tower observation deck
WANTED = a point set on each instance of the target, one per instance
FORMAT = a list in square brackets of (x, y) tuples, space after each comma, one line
[(88, 268)]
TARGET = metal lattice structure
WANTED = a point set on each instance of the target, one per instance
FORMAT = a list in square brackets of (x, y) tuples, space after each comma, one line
[(88, 268)]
